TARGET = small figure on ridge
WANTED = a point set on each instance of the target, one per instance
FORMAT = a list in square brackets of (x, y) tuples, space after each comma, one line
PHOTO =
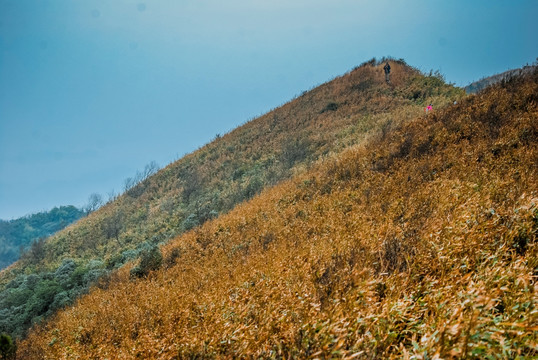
[(387, 72)]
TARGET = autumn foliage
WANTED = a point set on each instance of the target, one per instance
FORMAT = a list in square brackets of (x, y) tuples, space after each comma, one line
[(233, 168), (418, 242)]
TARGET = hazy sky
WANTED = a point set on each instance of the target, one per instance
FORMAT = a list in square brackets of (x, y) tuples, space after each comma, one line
[(93, 90)]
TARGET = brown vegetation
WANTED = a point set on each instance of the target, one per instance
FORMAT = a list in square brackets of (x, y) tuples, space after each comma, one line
[(211, 181), (419, 242), (236, 166)]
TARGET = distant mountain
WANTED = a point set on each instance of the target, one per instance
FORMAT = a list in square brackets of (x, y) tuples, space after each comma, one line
[(476, 86), (18, 234)]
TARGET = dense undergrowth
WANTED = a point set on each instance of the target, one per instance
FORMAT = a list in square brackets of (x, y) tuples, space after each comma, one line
[(418, 243), (210, 182)]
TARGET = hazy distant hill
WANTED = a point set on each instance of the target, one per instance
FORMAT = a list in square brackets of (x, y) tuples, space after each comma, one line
[(418, 241), (20, 233), (211, 181), (476, 86)]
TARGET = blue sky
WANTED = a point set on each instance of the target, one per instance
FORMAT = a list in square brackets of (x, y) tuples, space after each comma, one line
[(91, 91)]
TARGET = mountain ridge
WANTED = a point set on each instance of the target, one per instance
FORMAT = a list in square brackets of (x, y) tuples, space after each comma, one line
[(292, 151), (213, 180), (420, 242), (483, 83)]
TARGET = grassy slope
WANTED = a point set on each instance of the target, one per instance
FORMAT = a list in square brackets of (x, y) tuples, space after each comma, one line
[(420, 242), (239, 164), (211, 181), (233, 168)]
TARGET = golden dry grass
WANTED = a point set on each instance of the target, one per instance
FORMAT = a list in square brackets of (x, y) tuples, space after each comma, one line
[(256, 155), (420, 243)]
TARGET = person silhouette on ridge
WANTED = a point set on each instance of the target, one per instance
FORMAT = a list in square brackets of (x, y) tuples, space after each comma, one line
[(387, 72)]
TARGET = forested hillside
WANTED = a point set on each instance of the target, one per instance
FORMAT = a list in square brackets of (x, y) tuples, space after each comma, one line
[(417, 241), (17, 235), (211, 181)]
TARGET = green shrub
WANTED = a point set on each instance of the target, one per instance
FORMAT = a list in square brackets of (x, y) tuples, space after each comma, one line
[(113, 261), (150, 260), (60, 300), (7, 347), (332, 106), (171, 259), (191, 222), (295, 151), (42, 299), (36, 253), (113, 225), (63, 275), (253, 187)]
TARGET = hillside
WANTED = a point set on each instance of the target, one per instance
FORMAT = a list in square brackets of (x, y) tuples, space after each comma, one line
[(481, 84), (418, 241), (211, 181), (19, 233)]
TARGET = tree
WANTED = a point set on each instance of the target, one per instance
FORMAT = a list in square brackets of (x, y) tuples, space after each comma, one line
[(7, 347), (112, 195), (150, 260), (36, 253), (128, 184), (139, 177), (112, 225), (150, 169), (94, 202)]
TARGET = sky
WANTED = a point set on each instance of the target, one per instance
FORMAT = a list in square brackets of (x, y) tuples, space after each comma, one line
[(93, 90)]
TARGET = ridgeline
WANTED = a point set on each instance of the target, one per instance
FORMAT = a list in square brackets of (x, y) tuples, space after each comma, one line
[(346, 223), (211, 181)]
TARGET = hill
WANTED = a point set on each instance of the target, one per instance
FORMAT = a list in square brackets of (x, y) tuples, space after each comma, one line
[(481, 84), (17, 235), (418, 241), (211, 181)]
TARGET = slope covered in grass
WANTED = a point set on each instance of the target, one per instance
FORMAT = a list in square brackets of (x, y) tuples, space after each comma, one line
[(419, 242), (211, 181), (236, 166)]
